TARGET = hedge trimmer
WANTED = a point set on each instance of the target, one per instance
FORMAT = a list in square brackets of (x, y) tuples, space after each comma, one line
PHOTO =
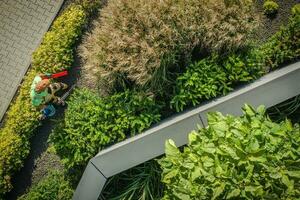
[(50, 110), (55, 75)]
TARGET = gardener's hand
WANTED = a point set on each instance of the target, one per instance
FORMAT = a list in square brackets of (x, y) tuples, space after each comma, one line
[(45, 76), (60, 101)]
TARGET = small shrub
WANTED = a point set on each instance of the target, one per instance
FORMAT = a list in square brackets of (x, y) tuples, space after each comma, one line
[(270, 7), (247, 157), (296, 9), (52, 187), (92, 123), (136, 40)]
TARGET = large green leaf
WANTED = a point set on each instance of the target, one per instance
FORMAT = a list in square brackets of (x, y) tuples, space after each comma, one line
[(171, 149)]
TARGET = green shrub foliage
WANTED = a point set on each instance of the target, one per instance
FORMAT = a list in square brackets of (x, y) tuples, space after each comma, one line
[(92, 123), (202, 80), (247, 157), (53, 187), (137, 40), (54, 54), (270, 7), (215, 76), (284, 46)]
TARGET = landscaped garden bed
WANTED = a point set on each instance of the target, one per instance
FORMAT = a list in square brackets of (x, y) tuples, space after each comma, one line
[(144, 61)]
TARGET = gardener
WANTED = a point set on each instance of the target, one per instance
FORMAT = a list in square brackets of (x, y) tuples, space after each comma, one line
[(43, 92)]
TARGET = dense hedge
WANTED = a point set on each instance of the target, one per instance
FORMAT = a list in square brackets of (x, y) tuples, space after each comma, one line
[(92, 123), (139, 41), (55, 53), (215, 76), (53, 187), (247, 157)]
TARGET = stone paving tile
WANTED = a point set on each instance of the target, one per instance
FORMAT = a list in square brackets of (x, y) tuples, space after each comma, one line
[(22, 25)]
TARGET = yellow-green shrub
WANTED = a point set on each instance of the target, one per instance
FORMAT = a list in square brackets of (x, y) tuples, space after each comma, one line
[(55, 53), (13, 150), (57, 45)]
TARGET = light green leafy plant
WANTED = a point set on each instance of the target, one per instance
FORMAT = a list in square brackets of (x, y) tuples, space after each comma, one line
[(247, 157), (92, 123)]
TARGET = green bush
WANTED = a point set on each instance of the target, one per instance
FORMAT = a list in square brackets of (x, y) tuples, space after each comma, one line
[(53, 187), (284, 46), (215, 76), (202, 80), (296, 9), (54, 53), (247, 157), (92, 123), (270, 7), (141, 41)]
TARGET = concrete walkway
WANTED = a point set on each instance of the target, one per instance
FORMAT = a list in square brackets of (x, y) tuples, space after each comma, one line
[(22, 26)]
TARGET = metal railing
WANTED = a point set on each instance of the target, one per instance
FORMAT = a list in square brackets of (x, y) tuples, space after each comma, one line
[(269, 90)]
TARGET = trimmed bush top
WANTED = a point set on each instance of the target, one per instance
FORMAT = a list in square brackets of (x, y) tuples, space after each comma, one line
[(270, 7)]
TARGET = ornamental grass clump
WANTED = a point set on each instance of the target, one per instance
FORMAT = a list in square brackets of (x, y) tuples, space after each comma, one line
[(91, 123), (247, 157), (140, 42)]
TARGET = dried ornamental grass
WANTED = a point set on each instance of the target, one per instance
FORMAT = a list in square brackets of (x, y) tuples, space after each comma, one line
[(135, 40)]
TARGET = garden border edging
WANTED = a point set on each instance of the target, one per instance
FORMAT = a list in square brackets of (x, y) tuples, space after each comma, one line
[(269, 90)]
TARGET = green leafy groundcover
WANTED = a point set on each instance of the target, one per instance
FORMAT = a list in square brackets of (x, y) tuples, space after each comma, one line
[(53, 187), (92, 122), (248, 157), (217, 75), (55, 53)]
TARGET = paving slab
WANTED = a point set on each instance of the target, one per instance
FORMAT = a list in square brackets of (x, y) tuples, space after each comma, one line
[(22, 26)]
